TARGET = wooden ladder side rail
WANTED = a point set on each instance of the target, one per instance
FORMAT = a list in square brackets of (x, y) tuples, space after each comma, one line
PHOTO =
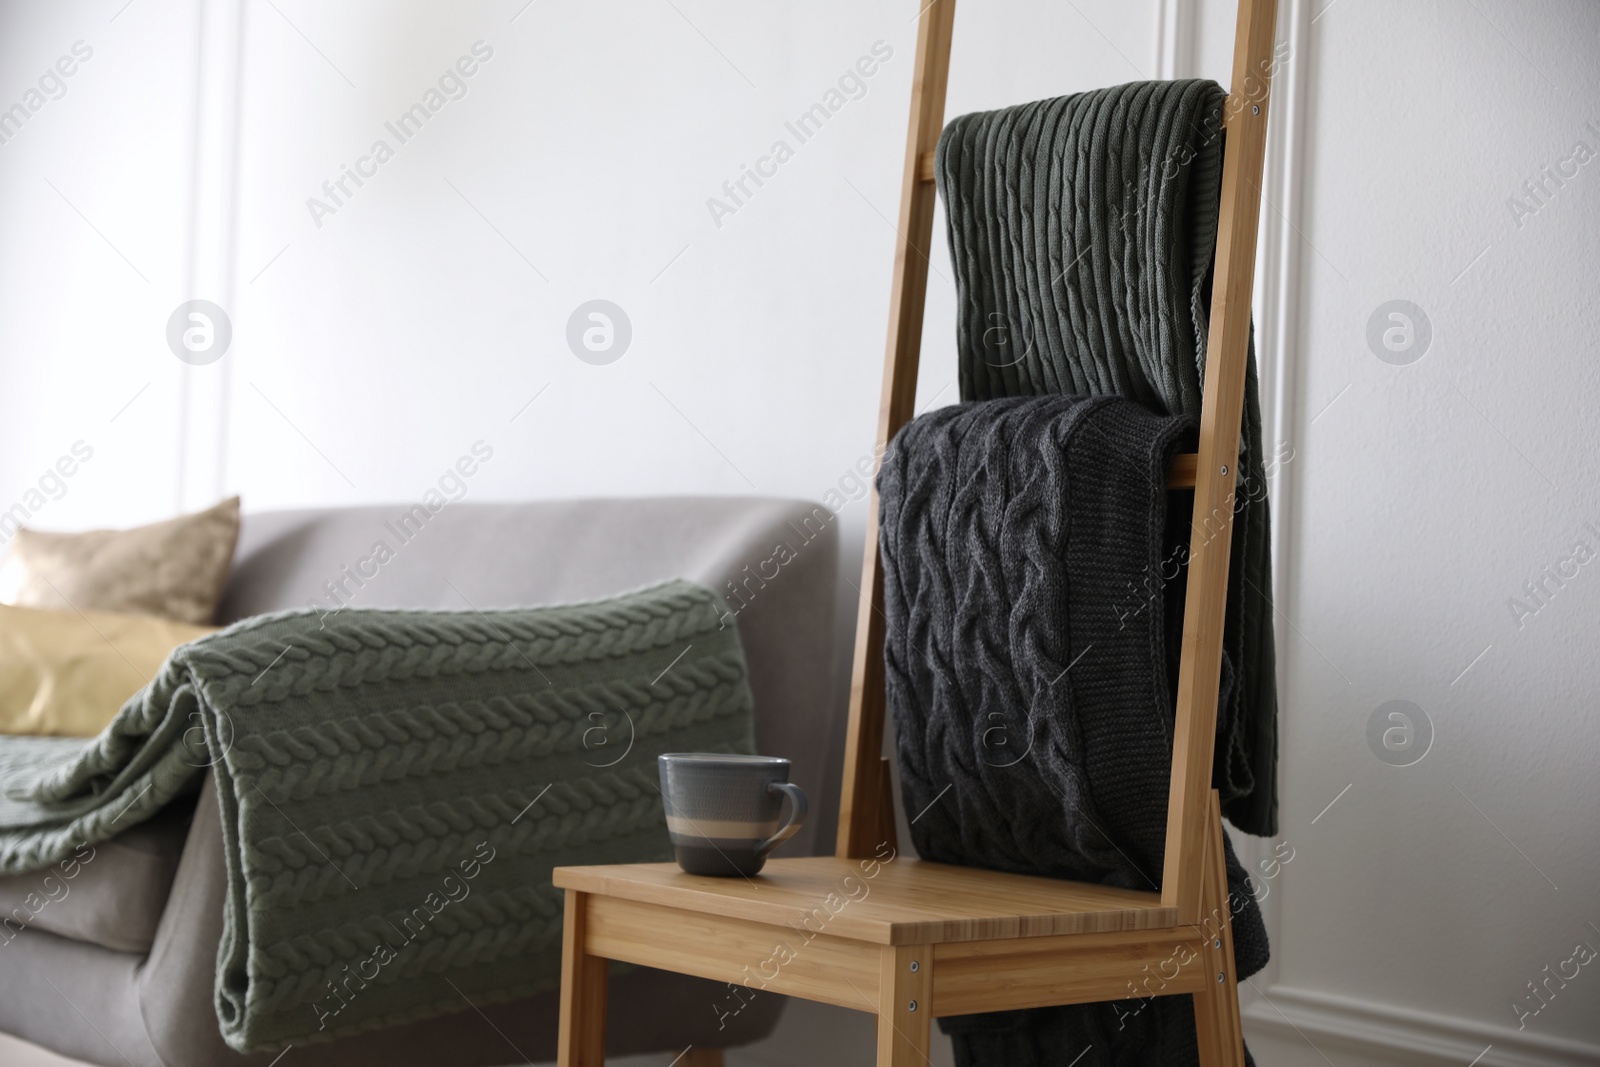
[(1189, 807), (866, 810)]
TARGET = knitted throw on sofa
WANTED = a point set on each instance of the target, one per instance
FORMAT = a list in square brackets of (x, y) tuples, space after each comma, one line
[(1082, 231), (1030, 681), (395, 788)]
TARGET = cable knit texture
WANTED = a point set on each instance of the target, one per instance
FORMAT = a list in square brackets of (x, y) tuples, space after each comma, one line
[(1030, 678), (1036, 586), (1082, 231), (395, 788)]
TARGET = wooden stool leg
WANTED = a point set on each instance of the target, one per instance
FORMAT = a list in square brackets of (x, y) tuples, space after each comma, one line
[(905, 1010), (582, 1041), (702, 1057), (1216, 1010)]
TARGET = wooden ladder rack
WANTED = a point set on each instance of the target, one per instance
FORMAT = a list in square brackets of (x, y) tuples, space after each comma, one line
[(867, 788), (932, 940)]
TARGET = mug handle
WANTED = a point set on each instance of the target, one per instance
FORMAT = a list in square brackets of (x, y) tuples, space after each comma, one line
[(797, 818)]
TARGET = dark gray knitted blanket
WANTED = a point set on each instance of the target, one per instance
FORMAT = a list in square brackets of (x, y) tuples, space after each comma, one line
[(395, 787), (1030, 681), (1082, 231)]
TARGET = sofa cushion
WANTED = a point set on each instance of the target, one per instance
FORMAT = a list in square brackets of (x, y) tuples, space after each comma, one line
[(111, 894), (68, 673)]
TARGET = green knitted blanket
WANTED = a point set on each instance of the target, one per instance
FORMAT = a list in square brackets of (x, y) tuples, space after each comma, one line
[(395, 788)]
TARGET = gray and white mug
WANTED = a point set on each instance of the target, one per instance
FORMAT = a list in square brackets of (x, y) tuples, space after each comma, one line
[(722, 810)]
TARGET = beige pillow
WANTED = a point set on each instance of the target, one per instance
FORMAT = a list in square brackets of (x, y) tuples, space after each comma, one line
[(175, 569), (67, 673)]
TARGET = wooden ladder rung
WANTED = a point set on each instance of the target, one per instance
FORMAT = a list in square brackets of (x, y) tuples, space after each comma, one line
[(1181, 474)]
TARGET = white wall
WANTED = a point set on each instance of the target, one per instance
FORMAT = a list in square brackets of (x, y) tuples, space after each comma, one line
[(94, 189), (1421, 499), (432, 306)]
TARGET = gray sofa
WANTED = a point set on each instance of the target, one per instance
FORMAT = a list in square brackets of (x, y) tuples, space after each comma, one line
[(117, 968)]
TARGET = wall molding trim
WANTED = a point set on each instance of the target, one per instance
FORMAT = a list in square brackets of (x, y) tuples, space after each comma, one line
[(204, 392), (1174, 39), (1276, 304), (1407, 1035)]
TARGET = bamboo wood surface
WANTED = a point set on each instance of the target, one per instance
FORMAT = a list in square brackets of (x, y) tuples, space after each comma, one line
[(788, 959), (581, 1040), (905, 1010), (1181, 473), (1211, 532), (861, 825), (1216, 1004), (904, 901), (1077, 969)]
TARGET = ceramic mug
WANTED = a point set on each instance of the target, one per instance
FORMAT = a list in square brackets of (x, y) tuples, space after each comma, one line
[(722, 810)]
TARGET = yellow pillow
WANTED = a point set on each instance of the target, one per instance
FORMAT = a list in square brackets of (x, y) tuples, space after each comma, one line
[(68, 673)]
